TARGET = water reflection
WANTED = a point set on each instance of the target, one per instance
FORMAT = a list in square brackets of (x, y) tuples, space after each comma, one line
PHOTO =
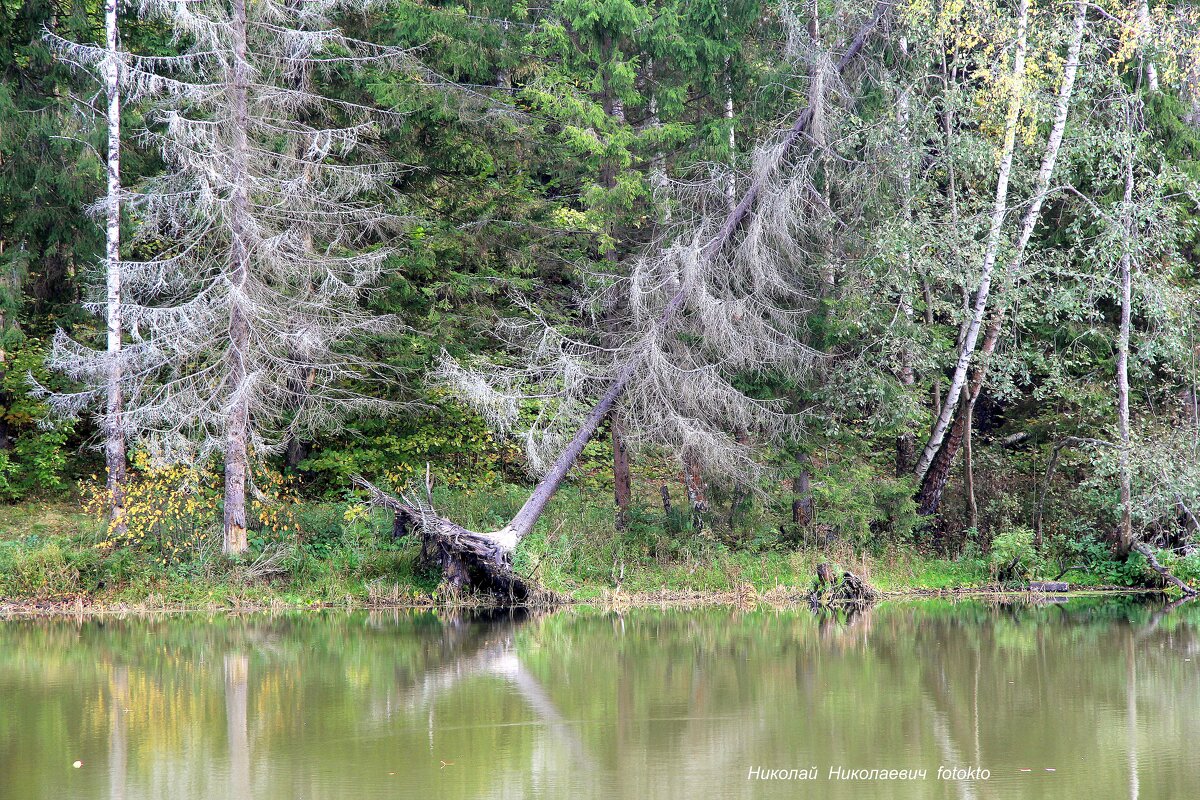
[(237, 668), (117, 747), (1064, 700)]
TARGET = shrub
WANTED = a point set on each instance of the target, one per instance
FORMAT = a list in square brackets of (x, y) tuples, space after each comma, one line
[(1013, 557)]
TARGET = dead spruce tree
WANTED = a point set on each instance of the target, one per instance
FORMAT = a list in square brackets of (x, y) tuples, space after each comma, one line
[(723, 297), (263, 222)]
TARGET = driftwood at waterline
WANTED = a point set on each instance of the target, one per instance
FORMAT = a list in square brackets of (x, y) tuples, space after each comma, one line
[(1049, 586), (847, 590)]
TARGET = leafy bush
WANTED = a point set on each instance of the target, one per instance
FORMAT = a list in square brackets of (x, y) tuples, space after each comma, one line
[(169, 512), (1013, 557), (863, 505)]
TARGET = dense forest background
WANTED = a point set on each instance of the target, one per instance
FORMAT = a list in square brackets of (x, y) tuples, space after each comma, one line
[(549, 152)]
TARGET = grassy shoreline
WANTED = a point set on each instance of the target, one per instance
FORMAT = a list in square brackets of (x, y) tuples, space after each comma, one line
[(53, 559), (89, 607)]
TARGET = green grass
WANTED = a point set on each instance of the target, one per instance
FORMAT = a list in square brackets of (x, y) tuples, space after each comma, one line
[(49, 554)]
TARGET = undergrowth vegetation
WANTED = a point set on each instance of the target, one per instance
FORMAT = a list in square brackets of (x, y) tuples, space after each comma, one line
[(168, 551)]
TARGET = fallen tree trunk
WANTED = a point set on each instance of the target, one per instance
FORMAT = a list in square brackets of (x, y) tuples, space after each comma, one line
[(488, 556), (1152, 560)]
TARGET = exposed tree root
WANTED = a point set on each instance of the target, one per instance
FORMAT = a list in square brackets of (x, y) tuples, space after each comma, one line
[(1145, 550), (849, 589), (469, 559)]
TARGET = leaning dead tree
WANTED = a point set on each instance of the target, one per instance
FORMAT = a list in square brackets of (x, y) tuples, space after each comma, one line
[(265, 226), (1167, 575), (722, 298)]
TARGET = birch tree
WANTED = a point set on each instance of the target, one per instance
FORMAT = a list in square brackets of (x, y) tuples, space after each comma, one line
[(1125, 538), (969, 335), (265, 227), (934, 479), (106, 65), (114, 436)]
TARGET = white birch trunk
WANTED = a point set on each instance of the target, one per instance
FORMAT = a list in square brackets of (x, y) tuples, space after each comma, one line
[(1126, 540), (1062, 108), (731, 184), (114, 436), (935, 475), (1145, 34), (999, 209), (906, 443)]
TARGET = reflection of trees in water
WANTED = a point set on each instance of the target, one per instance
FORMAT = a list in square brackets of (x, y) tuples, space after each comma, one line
[(647, 703), (237, 678), (118, 747), (1131, 728)]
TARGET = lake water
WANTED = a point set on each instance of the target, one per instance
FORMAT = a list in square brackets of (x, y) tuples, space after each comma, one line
[(1093, 699)]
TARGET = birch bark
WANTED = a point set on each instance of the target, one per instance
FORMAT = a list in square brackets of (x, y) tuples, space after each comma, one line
[(934, 480), (114, 435), (1125, 534), (999, 210)]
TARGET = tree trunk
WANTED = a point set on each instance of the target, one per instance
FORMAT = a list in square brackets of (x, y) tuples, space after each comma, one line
[(236, 453), (114, 434), (622, 483), (802, 495), (935, 386), (11, 284), (933, 482), (697, 492), (1125, 540), (296, 452), (906, 443), (970, 333), (1152, 560), (906, 449), (739, 495), (969, 466), (731, 183), (1145, 37)]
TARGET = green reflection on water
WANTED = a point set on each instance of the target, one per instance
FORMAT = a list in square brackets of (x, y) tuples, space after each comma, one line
[(649, 703)]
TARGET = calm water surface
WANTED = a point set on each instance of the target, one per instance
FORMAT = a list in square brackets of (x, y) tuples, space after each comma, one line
[(1090, 699)]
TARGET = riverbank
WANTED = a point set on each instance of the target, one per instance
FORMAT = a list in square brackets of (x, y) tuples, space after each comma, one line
[(56, 559), (780, 598)]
